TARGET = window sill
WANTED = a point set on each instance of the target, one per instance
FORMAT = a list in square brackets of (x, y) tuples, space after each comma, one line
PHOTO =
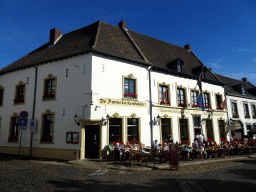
[(46, 142), (45, 100), (19, 104), (128, 99), (164, 104), (12, 141)]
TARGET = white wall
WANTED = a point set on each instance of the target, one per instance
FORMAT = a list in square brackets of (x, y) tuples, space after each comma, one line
[(70, 94)]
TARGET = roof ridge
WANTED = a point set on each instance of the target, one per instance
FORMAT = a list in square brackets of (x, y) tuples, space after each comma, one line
[(97, 34), (156, 39)]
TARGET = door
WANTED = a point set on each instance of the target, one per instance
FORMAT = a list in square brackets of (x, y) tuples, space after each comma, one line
[(92, 141)]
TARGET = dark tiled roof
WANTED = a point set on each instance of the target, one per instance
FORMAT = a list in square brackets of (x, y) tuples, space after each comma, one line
[(233, 84), (115, 41)]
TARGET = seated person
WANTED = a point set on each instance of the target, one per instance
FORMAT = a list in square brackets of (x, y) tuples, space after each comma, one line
[(118, 148), (156, 145), (166, 146), (128, 145), (200, 149), (110, 147), (195, 144)]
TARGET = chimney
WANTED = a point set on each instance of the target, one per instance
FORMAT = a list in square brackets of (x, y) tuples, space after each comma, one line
[(122, 24), (245, 80), (54, 35), (210, 69), (188, 47)]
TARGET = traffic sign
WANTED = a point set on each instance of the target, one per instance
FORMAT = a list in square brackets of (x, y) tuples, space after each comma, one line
[(23, 123), (32, 124), (23, 114)]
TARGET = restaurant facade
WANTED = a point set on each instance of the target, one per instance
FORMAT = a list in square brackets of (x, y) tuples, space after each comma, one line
[(104, 83)]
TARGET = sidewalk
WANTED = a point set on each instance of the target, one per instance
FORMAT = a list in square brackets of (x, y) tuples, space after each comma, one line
[(125, 165)]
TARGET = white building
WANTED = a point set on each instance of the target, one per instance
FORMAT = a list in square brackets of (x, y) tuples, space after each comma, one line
[(241, 102), (101, 75)]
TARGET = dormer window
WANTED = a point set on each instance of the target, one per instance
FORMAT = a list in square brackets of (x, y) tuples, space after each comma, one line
[(179, 64), (203, 74), (243, 90), (179, 68)]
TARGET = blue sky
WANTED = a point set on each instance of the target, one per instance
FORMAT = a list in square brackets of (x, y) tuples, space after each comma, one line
[(222, 33)]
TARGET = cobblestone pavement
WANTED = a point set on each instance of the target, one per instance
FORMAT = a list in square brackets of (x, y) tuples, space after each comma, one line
[(22, 174)]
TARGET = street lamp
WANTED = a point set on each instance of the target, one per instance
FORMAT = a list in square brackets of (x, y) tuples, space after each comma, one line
[(76, 120)]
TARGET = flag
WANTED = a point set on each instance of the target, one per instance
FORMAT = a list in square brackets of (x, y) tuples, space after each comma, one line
[(224, 104), (200, 101), (164, 95)]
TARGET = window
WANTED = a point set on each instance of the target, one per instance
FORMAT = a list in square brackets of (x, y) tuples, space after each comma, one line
[(207, 100), (179, 67), (222, 130), (47, 127), (130, 87), (1, 96), (246, 111), (243, 90), (165, 125), (194, 95), (133, 129), (197, 124), (115, 129), (234, 110), (203, 73), (164, 96), (209, 130), (219, 101), (253, 112), (184, 130), (249, 127), (72, 137), (13, 135), (49, 93), (19, 93), (181, 97)]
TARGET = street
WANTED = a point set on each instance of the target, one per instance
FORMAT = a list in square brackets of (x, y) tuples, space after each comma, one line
[(33, 175)]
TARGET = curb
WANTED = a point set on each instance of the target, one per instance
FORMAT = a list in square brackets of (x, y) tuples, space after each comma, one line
[(161, 167)]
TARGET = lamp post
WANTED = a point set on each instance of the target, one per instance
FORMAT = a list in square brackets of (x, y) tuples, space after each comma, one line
[(76, 120)]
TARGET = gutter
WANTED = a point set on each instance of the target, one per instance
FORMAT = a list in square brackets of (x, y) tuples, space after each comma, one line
[(33, 112)]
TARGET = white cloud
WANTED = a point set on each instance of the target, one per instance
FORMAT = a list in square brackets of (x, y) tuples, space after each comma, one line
[(215, 65)]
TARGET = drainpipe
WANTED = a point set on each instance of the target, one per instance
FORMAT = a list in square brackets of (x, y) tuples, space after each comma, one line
[(150, 106), (228, 121), (33, 113)]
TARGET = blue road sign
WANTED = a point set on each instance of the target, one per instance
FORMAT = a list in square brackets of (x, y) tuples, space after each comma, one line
[(23, 122), (32, 123)]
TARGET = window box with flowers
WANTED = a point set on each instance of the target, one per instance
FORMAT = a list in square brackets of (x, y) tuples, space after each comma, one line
[(47, 139), (220, 108), (130, 95), (13, 139), (210, 139), (207, 106), (163, 103), (18, 100), (223, 139), (185, 142), (254, 116), (48, 96), (115, 142), (195, 105), (182, 104), (247, 116), (134, 141), (235, 115)]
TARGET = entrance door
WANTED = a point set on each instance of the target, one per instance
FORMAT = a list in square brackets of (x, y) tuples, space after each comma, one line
[(92, 141)]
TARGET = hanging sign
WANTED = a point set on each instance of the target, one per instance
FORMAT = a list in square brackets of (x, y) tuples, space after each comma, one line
[(173, 156)]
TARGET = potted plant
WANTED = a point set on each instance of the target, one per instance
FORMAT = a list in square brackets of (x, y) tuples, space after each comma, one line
[(163, 103), (235, 115), (46, 139), (207, 106), (18, 100), (254, 116), (220, 108), (185, 142), (247, 116), (182, 104), (195, 105)]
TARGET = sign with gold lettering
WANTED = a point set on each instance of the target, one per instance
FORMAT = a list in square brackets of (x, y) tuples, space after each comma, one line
[(124, 103)]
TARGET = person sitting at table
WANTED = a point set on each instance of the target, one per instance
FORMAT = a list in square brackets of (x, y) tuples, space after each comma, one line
[(128, 145), (118, 148), (186, 149), (165, 146), (156, 145), (110, 147), (201, 150), (195, 144)]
